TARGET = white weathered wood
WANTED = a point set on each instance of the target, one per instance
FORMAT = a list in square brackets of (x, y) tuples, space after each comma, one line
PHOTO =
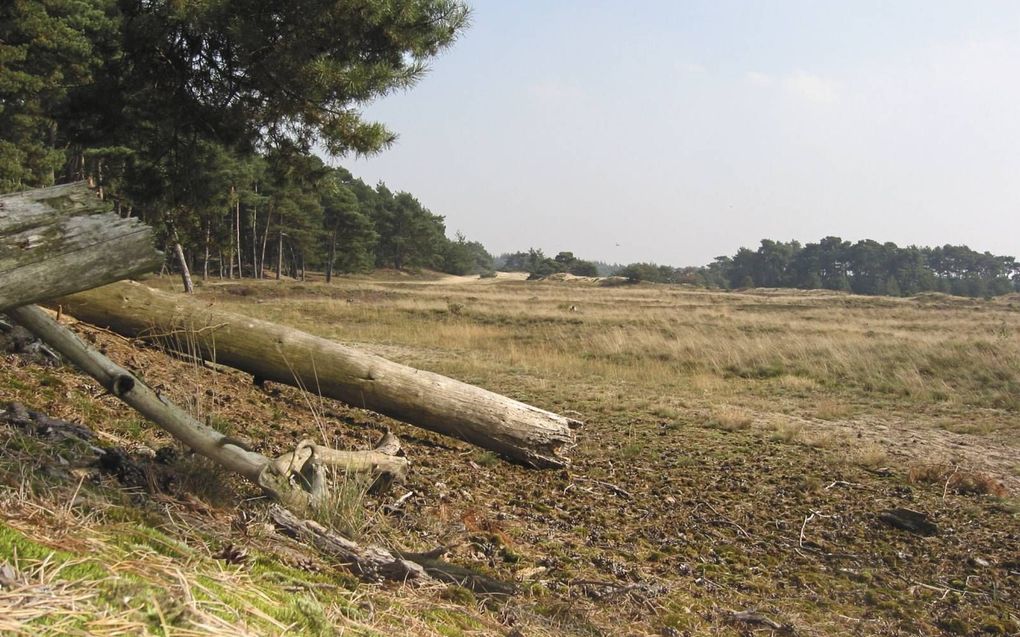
[(202, 438), (381, 462), (370, 563), (518, 431), (122, 384), (62, 239)]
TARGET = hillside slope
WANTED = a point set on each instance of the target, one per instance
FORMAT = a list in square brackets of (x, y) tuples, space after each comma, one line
[(738, 452)]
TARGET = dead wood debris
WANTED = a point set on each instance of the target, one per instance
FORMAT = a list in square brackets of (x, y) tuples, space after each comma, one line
[(374, 563), (909, 520), (754, 618)]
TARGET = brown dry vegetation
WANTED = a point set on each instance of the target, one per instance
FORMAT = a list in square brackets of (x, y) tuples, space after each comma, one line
[(736, 452)]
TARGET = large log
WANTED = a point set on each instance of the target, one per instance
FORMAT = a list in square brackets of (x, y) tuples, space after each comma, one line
[(273, 475), (518, 431), (63, 239)]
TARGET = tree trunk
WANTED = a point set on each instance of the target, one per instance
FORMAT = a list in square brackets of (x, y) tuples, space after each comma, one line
[(369, 563), (205, 262), (265, 240), (273, 475), (255, 266), (120, 383), (332, 257), (183, 263), (230, 252), (279, 258), (237, 227), (272, 352), (62, 239)]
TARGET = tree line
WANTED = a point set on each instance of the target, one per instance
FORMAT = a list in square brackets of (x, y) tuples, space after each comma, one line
[(864, 267), (201, 118), (537, 264)]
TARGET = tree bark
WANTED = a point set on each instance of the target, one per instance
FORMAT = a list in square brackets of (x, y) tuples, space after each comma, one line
[(183, 264), (383, 463), (369, 563), (208, 240), (332, 256), (518, 431), (374, 563), (62, 239), (237, 228), (254, 245), (279, 258), (265, 240), (230, 251)]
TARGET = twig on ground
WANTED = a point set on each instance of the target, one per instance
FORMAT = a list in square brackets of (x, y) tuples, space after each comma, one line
[(609, 485), (813, 515), (755, 618), (945, 491), (842, 483), (726, 519)]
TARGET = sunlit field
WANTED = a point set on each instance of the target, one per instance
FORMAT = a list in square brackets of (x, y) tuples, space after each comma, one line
[(737, 451)]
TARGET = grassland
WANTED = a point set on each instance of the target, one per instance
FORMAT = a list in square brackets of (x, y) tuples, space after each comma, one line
[(737, 450)]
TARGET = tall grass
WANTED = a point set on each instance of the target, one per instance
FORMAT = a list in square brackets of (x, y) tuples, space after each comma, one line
[(660, 336)]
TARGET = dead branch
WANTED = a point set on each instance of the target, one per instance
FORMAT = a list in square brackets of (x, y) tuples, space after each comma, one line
[(521, 432), (370, 563), (298, 483), (754, 618), (374, 563)]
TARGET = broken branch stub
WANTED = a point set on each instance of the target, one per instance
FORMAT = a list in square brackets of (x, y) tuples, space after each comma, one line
[(523, 433), (383, 463)]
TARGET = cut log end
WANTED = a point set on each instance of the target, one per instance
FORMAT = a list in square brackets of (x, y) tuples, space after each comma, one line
[(63, 239)]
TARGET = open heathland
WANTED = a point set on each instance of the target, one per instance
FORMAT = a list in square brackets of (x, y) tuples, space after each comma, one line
[(751, 463)]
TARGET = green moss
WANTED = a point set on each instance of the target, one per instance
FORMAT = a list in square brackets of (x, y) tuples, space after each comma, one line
[(452, 623), (955, 626), (306, 613), (13, 542), (138, 536), (458, 595), (485, 458)]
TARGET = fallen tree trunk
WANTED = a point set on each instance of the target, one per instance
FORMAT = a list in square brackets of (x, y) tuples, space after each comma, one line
[(294, 479), (518, 431), (273, 475), (374, 563), (122, 384), (370, 563), (63, 239)]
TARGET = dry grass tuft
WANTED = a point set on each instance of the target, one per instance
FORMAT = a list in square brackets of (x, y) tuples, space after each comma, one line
[(829, 409), (870, 455), (787, 431), (730, 419), (821, 439), (956, 480), (343, 507)]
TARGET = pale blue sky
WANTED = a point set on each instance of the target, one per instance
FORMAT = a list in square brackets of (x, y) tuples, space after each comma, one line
[(679, 131)]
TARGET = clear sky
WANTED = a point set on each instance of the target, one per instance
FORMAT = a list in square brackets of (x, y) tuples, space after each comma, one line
[(675, 131)]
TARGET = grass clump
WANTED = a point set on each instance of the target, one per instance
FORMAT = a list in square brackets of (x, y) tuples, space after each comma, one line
[(730, 419), (954, 479)]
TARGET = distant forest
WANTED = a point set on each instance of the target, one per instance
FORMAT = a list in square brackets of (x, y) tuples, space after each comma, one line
[(203, 119), (181, 116), (864, 267), (536, 263)]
